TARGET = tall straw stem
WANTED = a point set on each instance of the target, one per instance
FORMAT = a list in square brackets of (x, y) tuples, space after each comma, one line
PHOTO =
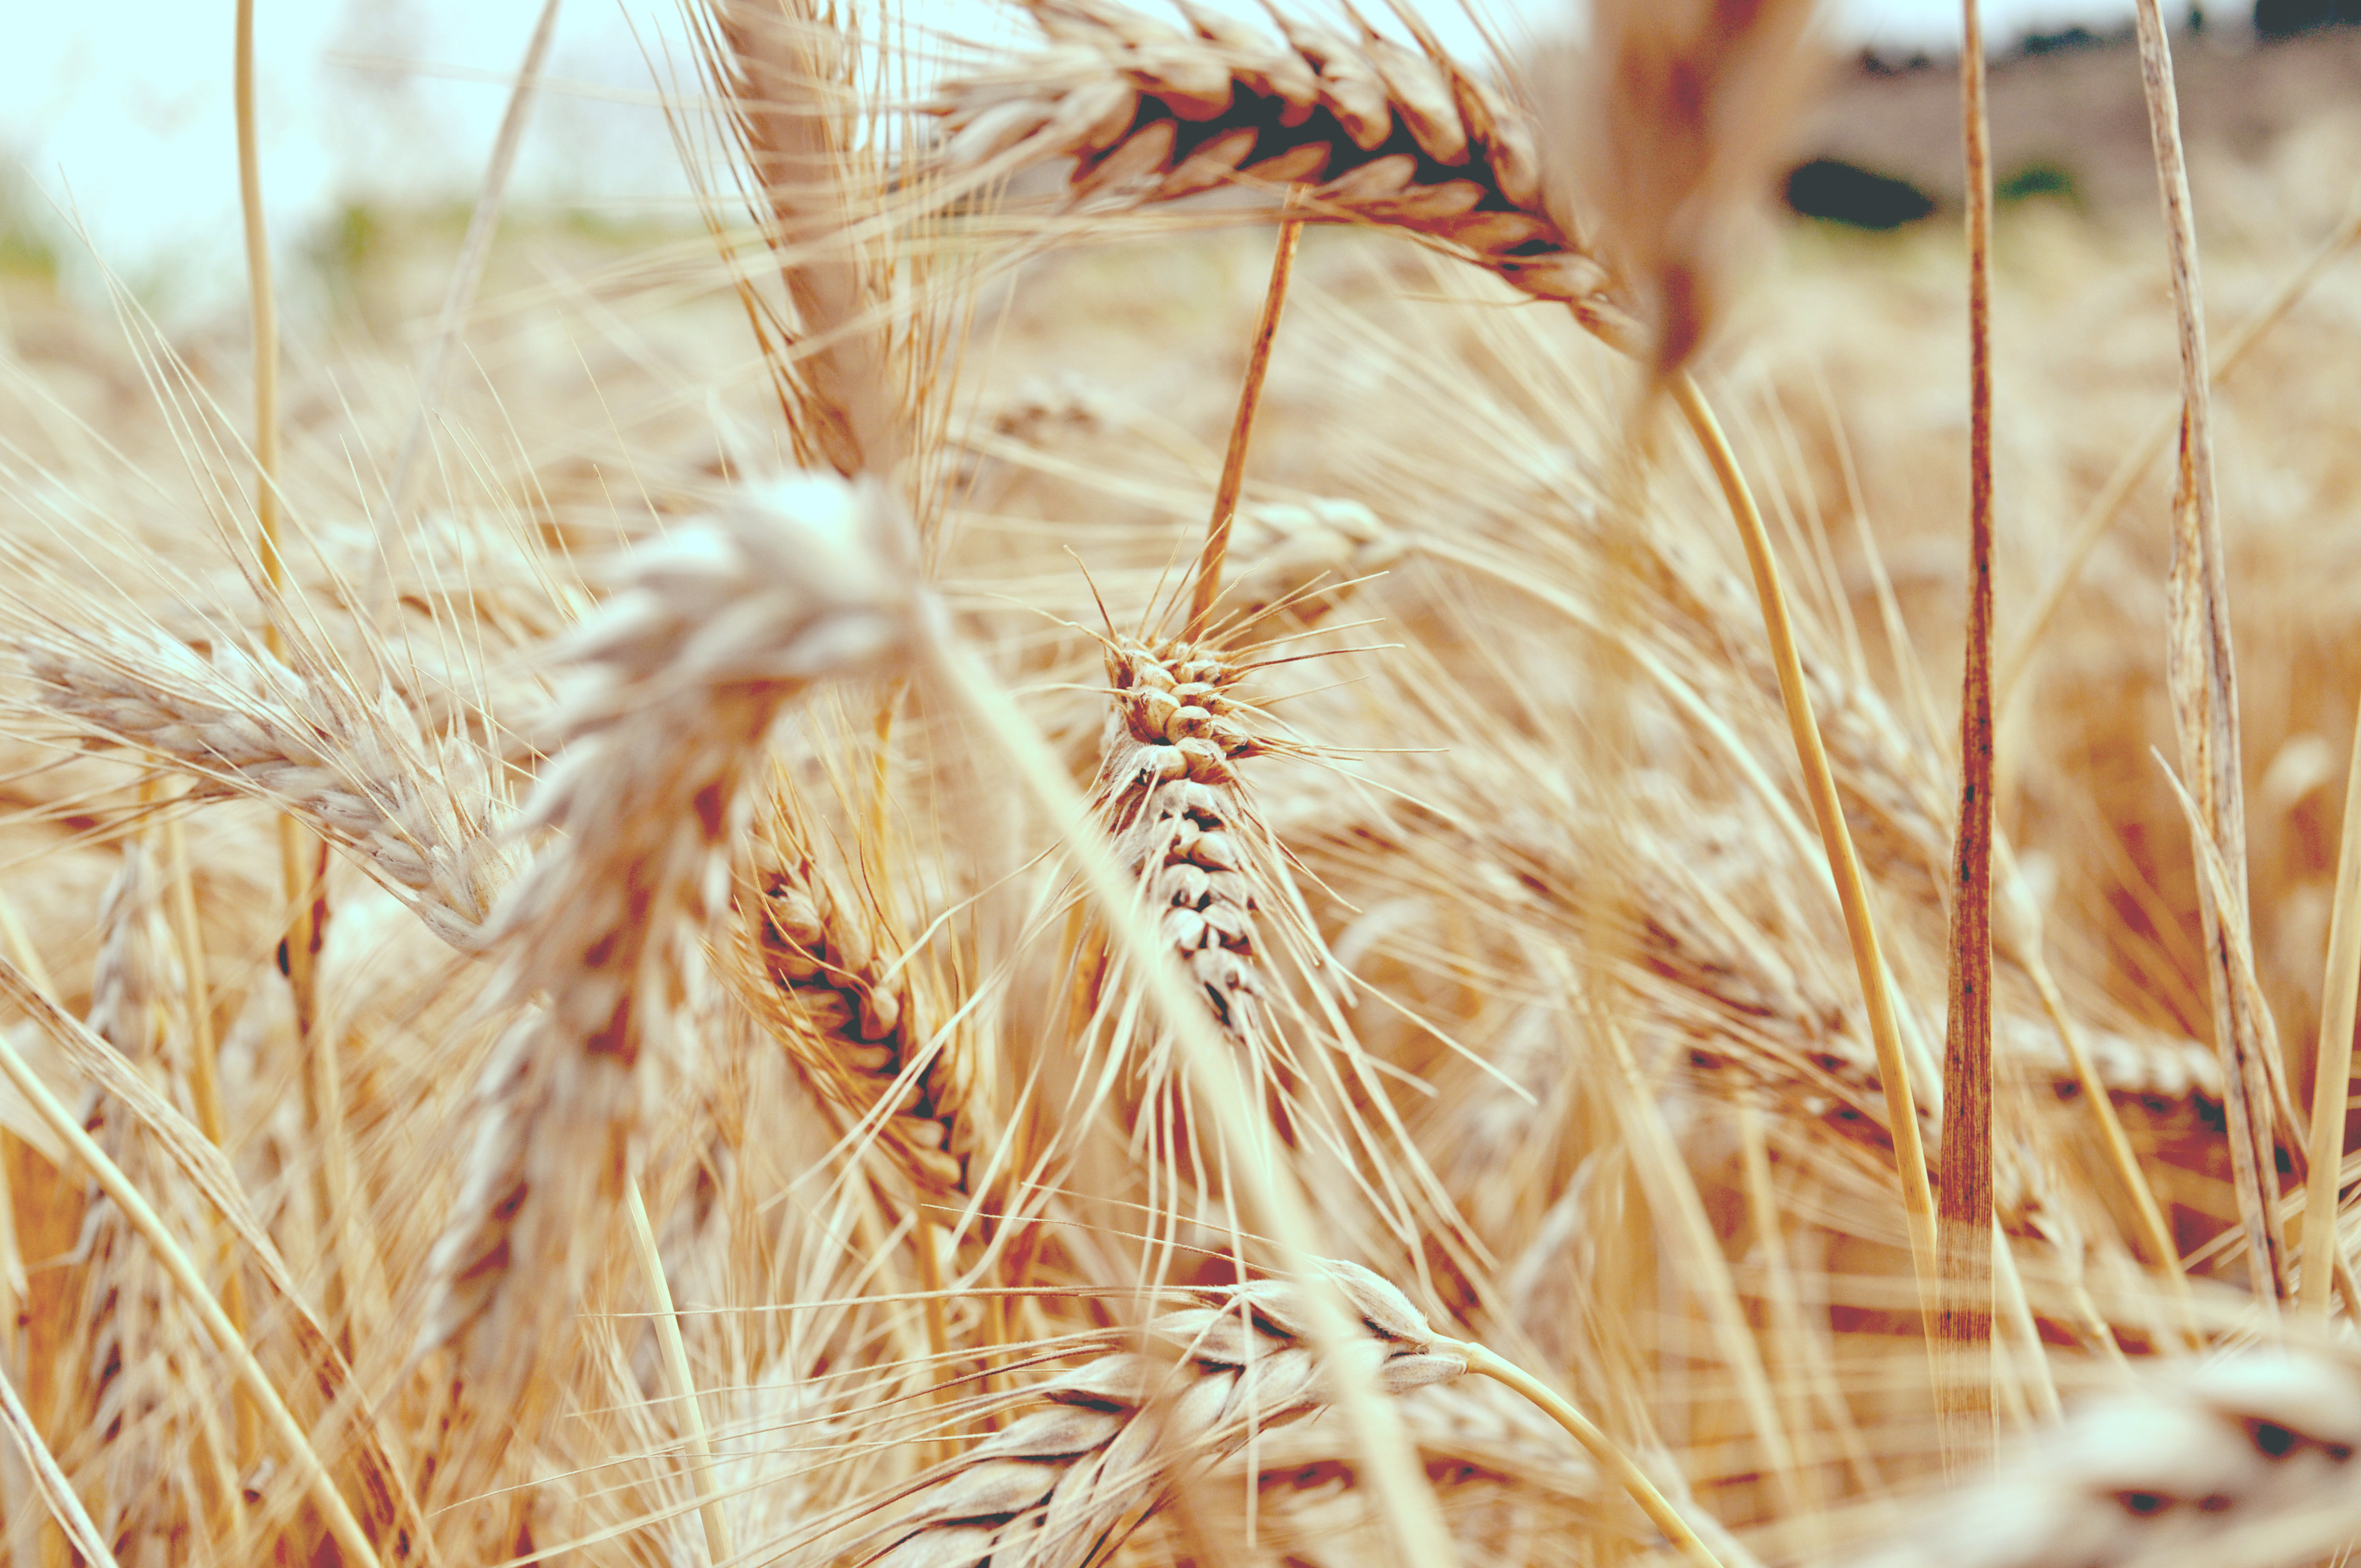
[(666, 1323), (2201, 672), (2333, 1069), (302, 860), (1836, 839), (1208, 583), (1963, 1319)]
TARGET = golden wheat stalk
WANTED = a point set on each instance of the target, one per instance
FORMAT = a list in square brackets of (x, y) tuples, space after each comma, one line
[(678, 679)]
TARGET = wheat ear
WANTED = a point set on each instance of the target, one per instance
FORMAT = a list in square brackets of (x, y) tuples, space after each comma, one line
[(1169, 792), (142, 1217), (134, 1366), (852, 1031), (678, 679), (420, 817), (2238, 1462), (2202, 672), (1374, 132), (1065, 1484), (782, 75)]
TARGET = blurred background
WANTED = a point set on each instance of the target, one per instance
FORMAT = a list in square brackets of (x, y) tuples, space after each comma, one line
[(115, 121)]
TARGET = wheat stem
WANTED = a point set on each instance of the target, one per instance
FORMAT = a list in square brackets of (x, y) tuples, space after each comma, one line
[(144, 1219), (1844, 863), (1963, 1319), (2333, 1067), (299, 951), (1601, 1448), (50, 1480), (676, 1367), (2201, 672), (1208, 584)]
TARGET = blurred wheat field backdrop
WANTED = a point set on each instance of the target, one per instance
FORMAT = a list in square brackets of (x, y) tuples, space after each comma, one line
[(655, 932)]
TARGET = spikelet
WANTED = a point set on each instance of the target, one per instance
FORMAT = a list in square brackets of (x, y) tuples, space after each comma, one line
[(1169, 792), (851, 1028), (1379, 134), (141, 1413), (1064, 1484), (2241, 1463), (420, 817), (680, 676)]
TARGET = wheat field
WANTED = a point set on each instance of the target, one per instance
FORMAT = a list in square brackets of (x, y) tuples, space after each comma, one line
[(1198, 794)]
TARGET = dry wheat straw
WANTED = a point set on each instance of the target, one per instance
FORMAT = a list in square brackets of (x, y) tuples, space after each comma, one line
[(2333, 1065), (2201, 671), (1205, 585), (1964, 1320), (49, 1481), (685, 1395), (678, 680)]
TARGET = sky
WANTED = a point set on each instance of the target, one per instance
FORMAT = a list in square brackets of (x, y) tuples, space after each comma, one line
[(116, 120)]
